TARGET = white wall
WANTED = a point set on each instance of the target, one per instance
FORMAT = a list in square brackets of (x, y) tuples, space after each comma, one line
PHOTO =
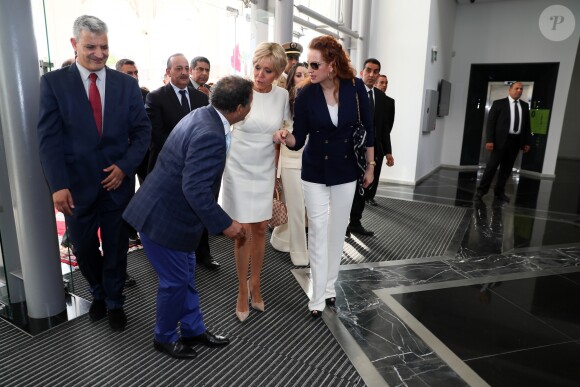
[(441, 26), (399, 40), (507, 32)]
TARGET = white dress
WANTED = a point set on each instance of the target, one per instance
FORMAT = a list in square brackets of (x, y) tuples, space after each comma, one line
[(248, 180)]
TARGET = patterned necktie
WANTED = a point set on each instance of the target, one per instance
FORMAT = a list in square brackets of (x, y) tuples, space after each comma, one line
[(372, 102), (184, 102), (516, 118), (95, 102)]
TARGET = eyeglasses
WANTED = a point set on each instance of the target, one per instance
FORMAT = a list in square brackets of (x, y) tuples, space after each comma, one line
[(315, 65)]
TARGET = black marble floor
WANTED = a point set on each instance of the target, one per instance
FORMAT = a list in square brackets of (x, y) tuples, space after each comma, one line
[(503, 310)]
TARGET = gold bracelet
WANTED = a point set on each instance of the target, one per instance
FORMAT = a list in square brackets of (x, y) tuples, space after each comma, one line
[(373, 163)]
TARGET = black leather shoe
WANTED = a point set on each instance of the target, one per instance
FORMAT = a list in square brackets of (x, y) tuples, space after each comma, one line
[(478, 197), (206, 338), (372, 202), (175, 349), (502, 198), (360, 230), (130, 281), (134, 240), (117, 319), (209, 262), (98, 310), (331, 302)]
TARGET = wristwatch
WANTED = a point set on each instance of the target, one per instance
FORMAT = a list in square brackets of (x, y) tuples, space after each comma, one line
[(372, 162)]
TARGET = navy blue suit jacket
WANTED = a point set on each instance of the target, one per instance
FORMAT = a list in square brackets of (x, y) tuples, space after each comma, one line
[(328, 157), (177, 200), (72, 154), (498, 123)]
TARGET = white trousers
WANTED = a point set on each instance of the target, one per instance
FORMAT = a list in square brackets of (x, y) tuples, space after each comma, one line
[(328, 212), (291, 237)]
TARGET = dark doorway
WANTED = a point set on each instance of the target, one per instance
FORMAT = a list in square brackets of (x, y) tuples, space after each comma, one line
[(544, 76)]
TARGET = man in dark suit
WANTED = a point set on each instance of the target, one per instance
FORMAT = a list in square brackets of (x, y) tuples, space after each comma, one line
[(199, 74), (165, 109), (383, 113), (384, 117), (93, 132), (166, 106), (177, 202), (508, 130)]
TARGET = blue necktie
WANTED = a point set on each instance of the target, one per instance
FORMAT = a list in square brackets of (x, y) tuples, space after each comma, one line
[(228, 140)]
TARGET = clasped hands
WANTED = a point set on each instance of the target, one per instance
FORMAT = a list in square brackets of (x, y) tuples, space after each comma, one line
[(283, 136)]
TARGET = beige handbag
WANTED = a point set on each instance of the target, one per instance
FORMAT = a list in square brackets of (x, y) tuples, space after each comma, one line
[(279, 210)]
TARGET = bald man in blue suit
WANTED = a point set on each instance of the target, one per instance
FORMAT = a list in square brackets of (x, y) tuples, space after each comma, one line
[(174, 206)]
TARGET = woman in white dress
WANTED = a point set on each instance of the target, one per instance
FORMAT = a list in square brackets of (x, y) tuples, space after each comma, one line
[(291, 237), (248, 181)]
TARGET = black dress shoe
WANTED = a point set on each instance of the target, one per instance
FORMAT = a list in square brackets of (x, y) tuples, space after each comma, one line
[(331, 302), (359, 229), (175, 349), (209, 262), (130, 281), (502, 198), (117, 319), (134, 240), (98, 310), (206, 338), (372, 202), (316, 313)]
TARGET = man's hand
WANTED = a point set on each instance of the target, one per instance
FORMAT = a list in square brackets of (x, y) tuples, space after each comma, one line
[(63, 202), (489, 146), (115, 178), (235, 231), (390, 160), (369, 176)]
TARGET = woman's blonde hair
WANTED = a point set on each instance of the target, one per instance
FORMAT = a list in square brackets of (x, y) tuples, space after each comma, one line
[(272, 52)]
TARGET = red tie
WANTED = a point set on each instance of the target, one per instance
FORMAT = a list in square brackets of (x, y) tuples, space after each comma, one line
[(95, 101)]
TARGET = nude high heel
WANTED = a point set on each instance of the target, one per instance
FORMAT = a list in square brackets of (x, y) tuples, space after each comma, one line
[(242, 316), (259, 306)]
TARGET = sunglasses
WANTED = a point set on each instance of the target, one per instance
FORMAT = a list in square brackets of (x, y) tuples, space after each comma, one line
[(314, 65)]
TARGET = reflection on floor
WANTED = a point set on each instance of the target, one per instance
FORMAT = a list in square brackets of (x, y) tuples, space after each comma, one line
[(504, 310)]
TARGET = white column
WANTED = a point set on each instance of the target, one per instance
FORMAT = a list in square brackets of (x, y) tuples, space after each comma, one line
[(31, 251)]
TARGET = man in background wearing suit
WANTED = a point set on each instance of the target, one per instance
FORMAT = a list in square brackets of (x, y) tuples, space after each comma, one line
[(508, 130), (177, 202), (199, 74), (382, 83), (93, 133), (383, 119), (165, 107), (383, 113)]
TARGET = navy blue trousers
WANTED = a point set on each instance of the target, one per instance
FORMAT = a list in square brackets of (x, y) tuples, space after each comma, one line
[(177, 298)]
